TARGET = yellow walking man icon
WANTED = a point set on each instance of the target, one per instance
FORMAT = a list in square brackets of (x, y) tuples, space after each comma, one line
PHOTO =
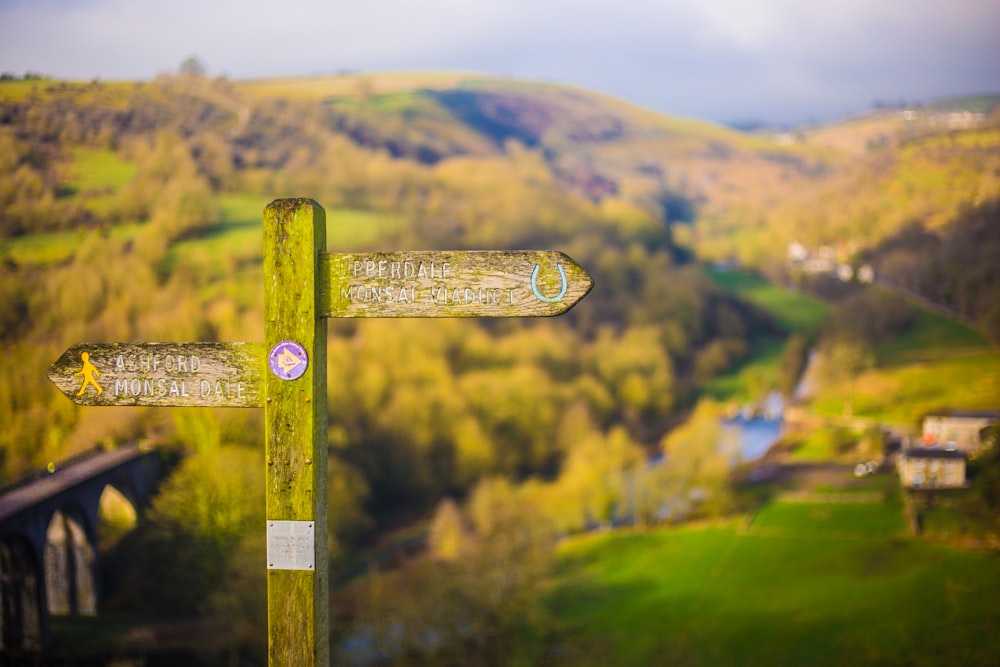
[(88, 372)]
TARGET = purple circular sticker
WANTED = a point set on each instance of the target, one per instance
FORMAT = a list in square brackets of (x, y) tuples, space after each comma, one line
[(288, 360)]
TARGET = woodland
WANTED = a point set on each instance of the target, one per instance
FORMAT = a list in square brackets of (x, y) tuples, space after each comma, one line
[(132, 212)]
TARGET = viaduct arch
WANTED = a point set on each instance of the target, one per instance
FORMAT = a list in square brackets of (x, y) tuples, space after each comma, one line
[(48, 540)]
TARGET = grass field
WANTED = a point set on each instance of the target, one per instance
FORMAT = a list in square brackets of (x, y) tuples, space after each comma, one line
[(931, 337), (793, 310), (804, 584), (236, 237), (820, 444), (94, 169), (47, 249), (752, 379), (239, 230), (95, 176), (903, 393), (108, 93)]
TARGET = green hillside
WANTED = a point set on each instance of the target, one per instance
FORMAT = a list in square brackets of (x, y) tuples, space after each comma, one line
[(802, 583), (460, 451)]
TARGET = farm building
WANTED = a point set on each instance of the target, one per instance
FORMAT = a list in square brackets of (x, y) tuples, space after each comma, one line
[(960, 430), (931, 468)]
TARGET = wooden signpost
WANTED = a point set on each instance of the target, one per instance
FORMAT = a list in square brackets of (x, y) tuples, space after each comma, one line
[(303, 284)]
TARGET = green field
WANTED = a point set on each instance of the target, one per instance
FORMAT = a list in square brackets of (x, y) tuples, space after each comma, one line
[(239, 230), (96, 176), (236, 237), (752, 379), (903, 393), (803, 584), (931, 337), (794, 311), (47, 249)]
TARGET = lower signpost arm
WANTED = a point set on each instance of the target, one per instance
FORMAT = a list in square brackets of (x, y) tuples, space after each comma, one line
[(295, 436)]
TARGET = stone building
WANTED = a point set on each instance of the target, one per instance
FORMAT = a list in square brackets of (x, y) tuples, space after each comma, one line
[(932, 468), (957, 430)]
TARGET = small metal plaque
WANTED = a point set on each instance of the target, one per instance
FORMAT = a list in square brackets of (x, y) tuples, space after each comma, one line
[(288, 360), (291, 545)]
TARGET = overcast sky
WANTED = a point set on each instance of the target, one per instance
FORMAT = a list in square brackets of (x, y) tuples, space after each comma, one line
[(787, 61)]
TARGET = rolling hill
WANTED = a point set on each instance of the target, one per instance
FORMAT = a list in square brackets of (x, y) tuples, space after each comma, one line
[(131, 211)]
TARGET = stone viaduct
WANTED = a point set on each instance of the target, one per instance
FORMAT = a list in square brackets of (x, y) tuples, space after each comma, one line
[(48, 540)]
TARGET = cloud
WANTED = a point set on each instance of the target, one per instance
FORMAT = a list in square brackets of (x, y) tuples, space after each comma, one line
[(778, 59)]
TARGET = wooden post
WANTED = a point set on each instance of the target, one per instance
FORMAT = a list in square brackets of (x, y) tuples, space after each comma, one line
[(295, 436)]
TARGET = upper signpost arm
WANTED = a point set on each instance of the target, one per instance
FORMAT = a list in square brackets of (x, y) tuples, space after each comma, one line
[(478, 283)]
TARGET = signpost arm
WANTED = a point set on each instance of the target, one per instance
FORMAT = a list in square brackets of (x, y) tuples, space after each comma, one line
[(295, 436)]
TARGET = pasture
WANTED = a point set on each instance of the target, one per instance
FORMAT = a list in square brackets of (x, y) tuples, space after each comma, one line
[(799, 584), (794, 311)]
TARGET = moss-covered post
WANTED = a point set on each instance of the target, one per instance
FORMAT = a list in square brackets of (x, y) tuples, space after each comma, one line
[(295, 436)]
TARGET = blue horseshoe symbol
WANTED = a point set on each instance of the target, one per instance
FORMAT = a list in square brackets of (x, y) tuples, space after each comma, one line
[(534, 286)]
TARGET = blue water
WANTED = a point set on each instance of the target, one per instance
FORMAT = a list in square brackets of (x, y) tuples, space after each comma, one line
[(751, 437)]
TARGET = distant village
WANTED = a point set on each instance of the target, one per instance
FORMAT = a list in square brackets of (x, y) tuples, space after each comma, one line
[(916, 120), (828, 260)]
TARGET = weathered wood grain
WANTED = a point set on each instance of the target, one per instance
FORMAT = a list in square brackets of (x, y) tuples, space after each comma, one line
[(491, 283), (162, 374), (295, 429)]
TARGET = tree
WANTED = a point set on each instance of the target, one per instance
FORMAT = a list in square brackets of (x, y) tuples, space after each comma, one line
[(192, 67), (697, 466), (448, 532)]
